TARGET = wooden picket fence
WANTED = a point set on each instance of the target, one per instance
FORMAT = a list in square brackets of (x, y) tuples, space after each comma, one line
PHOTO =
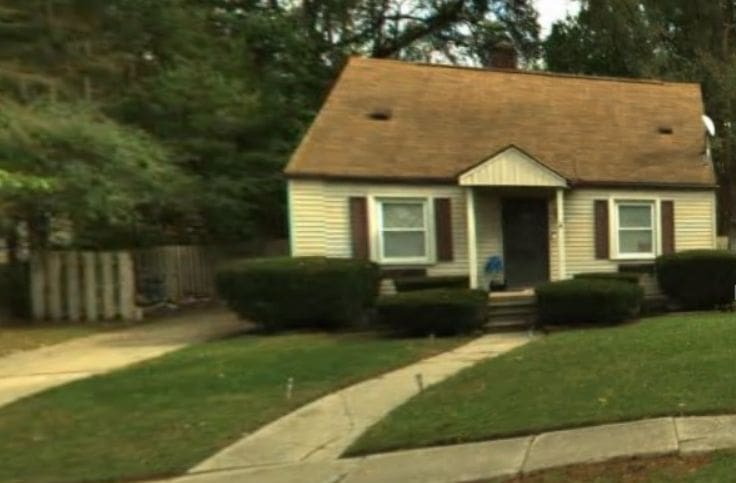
[(92, 286), (74, 285), (174, 274)]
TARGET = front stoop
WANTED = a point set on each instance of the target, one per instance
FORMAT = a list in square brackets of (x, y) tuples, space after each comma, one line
[(511, 310)]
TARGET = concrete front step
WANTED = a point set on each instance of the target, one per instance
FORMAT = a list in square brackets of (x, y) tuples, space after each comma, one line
[(517, 309)]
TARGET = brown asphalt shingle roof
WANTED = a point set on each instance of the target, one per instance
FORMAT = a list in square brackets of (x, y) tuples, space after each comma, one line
[(445, 120)]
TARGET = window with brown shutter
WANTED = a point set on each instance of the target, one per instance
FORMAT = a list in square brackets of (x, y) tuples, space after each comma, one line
[(443, 229), (667, 213), (359, 227), (601, 229)]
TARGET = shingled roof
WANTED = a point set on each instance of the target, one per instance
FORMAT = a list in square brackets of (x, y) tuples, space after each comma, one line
[(393, 120)]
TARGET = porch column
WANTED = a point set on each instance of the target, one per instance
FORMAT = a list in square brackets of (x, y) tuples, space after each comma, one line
[(560, 202), (472, 237)]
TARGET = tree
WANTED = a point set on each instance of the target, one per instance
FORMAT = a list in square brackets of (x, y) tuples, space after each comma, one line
[(69, 162), (229, 86)]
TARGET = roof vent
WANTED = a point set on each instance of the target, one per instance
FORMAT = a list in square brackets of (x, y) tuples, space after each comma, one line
[(665, 130), (380, 114)]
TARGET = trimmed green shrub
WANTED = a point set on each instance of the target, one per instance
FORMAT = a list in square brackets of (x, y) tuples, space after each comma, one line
[(308, 292), (622, 277), (411, 284), (584, 301), (436, 311), (698, 279)]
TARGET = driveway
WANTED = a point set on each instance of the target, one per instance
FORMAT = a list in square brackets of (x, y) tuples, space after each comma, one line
[(29, 372)]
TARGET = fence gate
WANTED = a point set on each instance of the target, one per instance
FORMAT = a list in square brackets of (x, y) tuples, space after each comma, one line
[(82, 285)]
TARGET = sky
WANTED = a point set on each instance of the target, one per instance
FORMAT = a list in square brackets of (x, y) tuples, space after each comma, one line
[(552, 10)]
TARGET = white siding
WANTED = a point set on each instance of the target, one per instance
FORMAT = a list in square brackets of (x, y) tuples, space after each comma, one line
[(320, 223), (511, 168), (488, 220), (694, 225), (307, 218), (319, 214)]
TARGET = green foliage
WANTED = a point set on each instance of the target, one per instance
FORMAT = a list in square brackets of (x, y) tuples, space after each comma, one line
[(435, 311), (69, 161), (581, 301), (410, 284), (284, 293), (228, 86), (622, 277), (698, 279)]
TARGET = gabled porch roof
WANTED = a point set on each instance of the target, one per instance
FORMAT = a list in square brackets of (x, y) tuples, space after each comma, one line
[(511, 166)]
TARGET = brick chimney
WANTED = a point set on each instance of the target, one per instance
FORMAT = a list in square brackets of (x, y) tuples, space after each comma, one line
[(503, 56)]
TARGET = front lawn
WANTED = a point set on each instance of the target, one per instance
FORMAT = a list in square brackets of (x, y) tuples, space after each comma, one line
[(161, 417), (670, 365), (25, 336)]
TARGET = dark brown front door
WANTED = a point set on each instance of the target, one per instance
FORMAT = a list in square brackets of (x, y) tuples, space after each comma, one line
[(525, 242)]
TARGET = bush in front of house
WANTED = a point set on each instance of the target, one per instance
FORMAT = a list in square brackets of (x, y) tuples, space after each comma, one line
[(412, 284), (698, 279), (588, 301), (436, 311), (304, 292), (622, 277)]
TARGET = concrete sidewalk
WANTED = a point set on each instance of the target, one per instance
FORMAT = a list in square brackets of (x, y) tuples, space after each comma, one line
[(322, 430), (28, 372), (502, 458)]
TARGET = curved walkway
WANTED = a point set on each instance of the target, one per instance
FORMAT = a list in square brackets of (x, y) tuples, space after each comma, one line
[(323, 429), (503, 458)]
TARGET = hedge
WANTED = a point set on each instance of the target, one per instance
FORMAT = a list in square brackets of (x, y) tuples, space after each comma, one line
[(622, 277), (307, 292), (584, 301), (435, 311), (411, 284), (698, 279)]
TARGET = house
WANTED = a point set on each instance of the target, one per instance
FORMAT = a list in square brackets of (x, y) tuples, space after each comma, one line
[(539, 176)]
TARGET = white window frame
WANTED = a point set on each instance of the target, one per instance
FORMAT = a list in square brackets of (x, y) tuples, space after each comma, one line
[(653, 205), (428, 230)]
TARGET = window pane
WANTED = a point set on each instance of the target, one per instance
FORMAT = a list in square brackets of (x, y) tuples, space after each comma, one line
[(634, 216), (403, 215), (398, 244), (635, 241)]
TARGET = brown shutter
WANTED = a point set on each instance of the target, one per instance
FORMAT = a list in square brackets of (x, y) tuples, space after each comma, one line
[(443, 229), (601, 229), (667, 209), (359, 227)]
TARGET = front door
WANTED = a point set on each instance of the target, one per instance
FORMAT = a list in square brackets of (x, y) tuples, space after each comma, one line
[(525, 242)]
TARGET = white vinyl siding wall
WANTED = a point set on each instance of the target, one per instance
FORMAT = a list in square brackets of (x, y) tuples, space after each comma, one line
[(320, 224), (694, 225), (319, 212)]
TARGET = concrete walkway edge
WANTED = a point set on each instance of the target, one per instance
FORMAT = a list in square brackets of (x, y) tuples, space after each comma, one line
[(323, 429), (505, 457)]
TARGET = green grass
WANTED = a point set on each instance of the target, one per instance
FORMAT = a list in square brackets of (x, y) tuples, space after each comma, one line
[(678, 364), (162, 417), (17, 337)]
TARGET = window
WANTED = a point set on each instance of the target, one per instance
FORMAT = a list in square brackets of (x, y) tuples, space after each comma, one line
[(402, 225), (636, 233)]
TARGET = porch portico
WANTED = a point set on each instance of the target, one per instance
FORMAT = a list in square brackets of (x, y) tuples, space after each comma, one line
[(515, 210)]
